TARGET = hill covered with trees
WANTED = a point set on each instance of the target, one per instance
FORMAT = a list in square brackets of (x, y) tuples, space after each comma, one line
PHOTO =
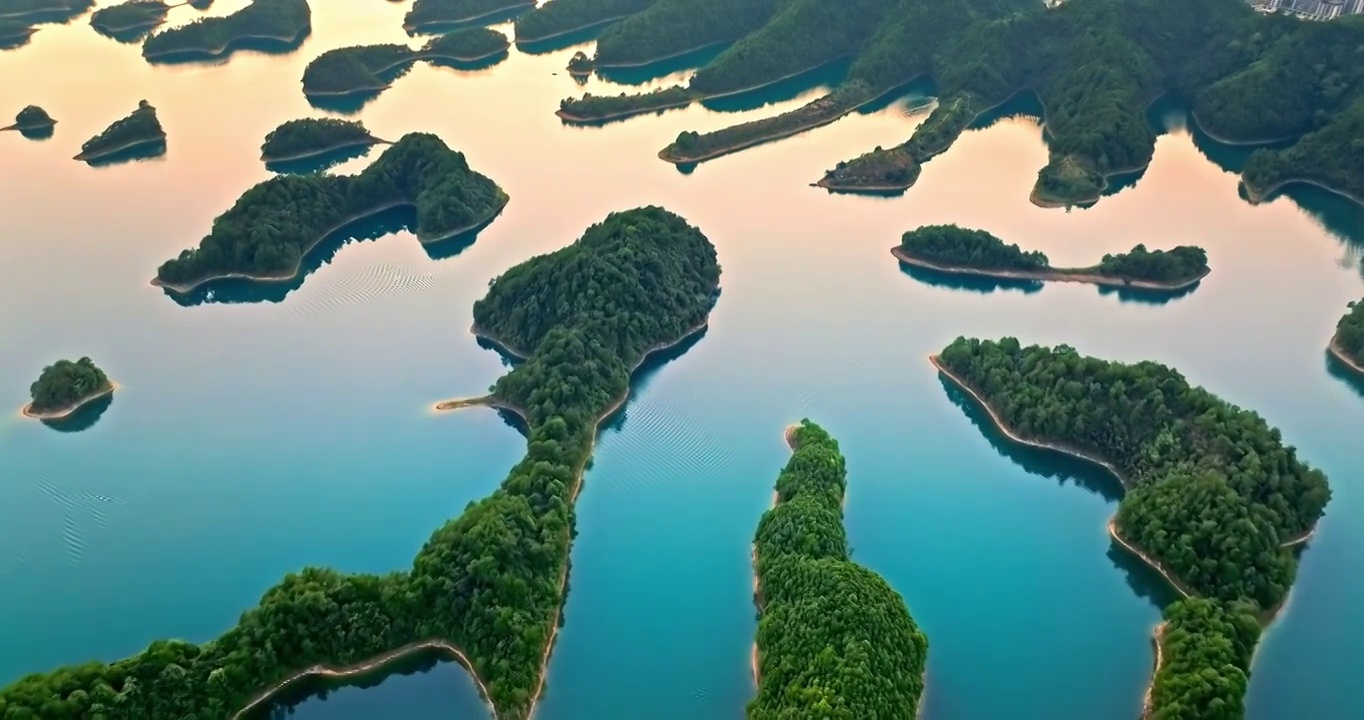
[(64, 385), (835, 640), (1349, 338), (371, 68), (307, 137), (284, 22), (31, 117), (428, 15), (560, 18), (140, 128)]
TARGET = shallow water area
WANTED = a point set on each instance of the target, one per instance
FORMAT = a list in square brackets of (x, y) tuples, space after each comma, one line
[(260, 430)]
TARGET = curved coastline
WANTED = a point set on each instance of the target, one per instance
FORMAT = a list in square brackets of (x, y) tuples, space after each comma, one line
[(424, 25), (1193, 115), (30, 128), (765, 138), (1055, 274), (1258, 196), (131, 145), (211, 53), (367, 142), (588, 26), (579, 120), (67, 411), (665, 58), (1052, 202), (191, 286), (365, 667), (1157, 639)]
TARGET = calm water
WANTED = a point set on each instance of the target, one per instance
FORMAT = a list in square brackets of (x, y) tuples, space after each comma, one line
[(256, 433)]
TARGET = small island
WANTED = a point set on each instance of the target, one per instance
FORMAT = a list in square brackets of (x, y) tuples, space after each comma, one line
[(580, 65), (1214, 501), (140, 130), (274, 225), (364, 69), (1347, 345), (130, 17), (313, 137), (599, 108), (959, 251), (431, 15), (31, 119), (282, 23), (804, 576), (65, 387)]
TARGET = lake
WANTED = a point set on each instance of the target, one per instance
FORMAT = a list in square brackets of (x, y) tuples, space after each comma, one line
[(257, 431)]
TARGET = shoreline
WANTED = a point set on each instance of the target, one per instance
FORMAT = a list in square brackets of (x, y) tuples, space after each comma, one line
[(1052, 275), (353, 91), (29, 128), (1052, 203), (191, 286), (461, 58), (67, 411), (1258, 196), (665, 58), (1339, 353), (761, 139), (1237, 143), (226, 48), (24, 34), (1158, 639), (580, 120), (1140, 553), (371, 140), (367, 666), (421, 26), (101, 154), (581, 470), (789, 435), (588, 26)]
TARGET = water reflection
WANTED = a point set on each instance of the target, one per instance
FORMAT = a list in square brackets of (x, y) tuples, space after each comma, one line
[(564, 41), (84, 418), (828, 75), (441, 28), (423, 673), (318, 163), (652, 71), (354, 102), (1147, 296), (126, 36), (16, 38), (144, 152), (266, 46), (969, 283), (1337, 369)]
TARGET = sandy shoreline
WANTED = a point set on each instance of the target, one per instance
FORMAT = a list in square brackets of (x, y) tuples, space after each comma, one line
[(65, 412), (371, 140), (101, 154), (789, 435), (367, 666), (1240, 143), (1052, 275), (580, 120), (1158, 639)]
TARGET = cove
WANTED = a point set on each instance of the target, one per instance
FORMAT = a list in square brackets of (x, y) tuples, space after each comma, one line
[(251, 438)]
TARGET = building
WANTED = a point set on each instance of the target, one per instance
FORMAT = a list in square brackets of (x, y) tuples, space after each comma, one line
[(1310, 9)]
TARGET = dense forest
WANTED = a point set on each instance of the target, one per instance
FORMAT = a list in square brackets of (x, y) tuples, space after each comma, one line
[(425, 13), (1350, 333), (282, 20), (835, 640), (14, 32), (957, 246), (694, 147), (58, 11), (491, 580), (370, 68), (310, 136), (467, 44), (673, 27), (1207, 647), (1330, 156), (139, 127), (63, 384), (565, 16), (1181, 263), (131, 15), (1213, 490), (273, 225), (33, 117), (602, 107)]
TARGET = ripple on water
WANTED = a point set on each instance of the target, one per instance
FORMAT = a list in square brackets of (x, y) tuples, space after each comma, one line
[(385, 279)]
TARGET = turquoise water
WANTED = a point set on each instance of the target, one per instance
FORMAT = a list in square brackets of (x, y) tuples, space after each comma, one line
[(256, 432)]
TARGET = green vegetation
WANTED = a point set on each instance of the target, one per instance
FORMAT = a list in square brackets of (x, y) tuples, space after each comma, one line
[(425, 13), (580, 64), (899, 167), (313, 136), (32, 117), (960, 247), (286, 21), (64, 384), (370, 68), (1174, 265), (44, 10), (595, 108), (1331, 157), (128, 16), (492, 580), (466, 45), (274, 224), (15, 31), (1207, 649), (564, 16), (139, 128), (1349, 337), (693, 147), (672, 27), (835, 641)]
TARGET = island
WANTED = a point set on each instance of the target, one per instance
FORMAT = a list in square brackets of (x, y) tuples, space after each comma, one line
[(31, 119), (281, 24), (1329, 158), (14, 33), (365, 69), (591, 109), (595, 320), (557, 19), (1214, 501), (139, 130), (65, 387), (817, 654), (130, 17), (580, 65), (313, 137), (40, 11), (669, 29), (1347, 345), (431, 15), (271, 228), (959, 251)]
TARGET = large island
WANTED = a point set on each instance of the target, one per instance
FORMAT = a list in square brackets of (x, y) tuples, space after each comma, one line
[(275, 23), (65, 387), (140, 130), (272, 226), (959, 251), (1214, 501), (487, 589), (367, 69), (134, 16), (817, 654)]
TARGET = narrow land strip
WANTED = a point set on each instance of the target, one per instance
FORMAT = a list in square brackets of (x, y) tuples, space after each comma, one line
[(1075, 275)]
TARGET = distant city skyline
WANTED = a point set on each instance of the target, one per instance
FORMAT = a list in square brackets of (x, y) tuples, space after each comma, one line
[(1311, 9)]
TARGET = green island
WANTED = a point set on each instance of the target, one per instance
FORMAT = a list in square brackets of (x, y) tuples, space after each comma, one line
[(488, 587), (372, 68), (1347, 345), (955, 250), (129, 17), (15, 32), (40, 11), (429, 14), (561, 17), (580, 65), (63, 388), (835, 640), (272, 226), (284, 22), (312, 137), (672, 28), (1213, 499), (31, 118), (1330, 158), (140, 129), (600, 108)]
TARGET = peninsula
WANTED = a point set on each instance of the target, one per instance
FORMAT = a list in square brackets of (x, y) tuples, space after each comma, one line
[(40, 11), (959, 251), (595, 321), (804, 578), (272, 227), (1213, 499), (140, 129), (313, 137), (431, 15), (282, 23), (15, 32), (366, 69), (1347, 345), (129, 17), (671, 28), (65, 387), (550, 21), (31, 119)]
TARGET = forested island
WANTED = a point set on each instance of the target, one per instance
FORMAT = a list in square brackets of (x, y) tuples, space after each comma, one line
[(554, 19), (671, 28), (36, 11), (1214, 500), (312, 137), (835, 640), (140, 129), (62, 389), (15, 32), (429, 14), (1348, 343), (960, 251), (31, 118), (129, 17), (1331, 158), (272, 226), (279, 22), (372, 68), (490, 584)]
